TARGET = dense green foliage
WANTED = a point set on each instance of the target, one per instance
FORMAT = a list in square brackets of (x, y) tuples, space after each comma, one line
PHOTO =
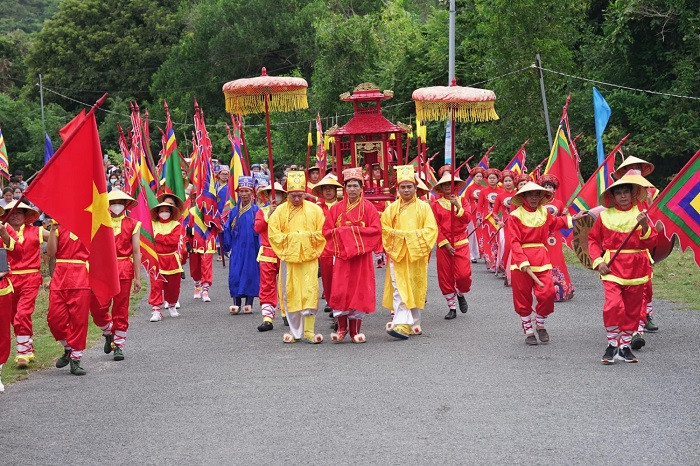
[(154, 50)]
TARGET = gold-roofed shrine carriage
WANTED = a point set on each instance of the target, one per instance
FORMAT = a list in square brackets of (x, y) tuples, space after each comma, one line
[(369, 139)]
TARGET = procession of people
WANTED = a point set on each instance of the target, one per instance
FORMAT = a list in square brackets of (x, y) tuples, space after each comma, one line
[(316, 240)]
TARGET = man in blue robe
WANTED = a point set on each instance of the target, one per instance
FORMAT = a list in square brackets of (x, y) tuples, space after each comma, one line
[(243, 242)]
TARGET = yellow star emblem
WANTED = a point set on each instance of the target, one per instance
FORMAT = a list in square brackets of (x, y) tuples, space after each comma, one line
[(99, 210)]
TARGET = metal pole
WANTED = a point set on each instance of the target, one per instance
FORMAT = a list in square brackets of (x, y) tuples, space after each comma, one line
[(452, 44), (544, 101), (41, 98)]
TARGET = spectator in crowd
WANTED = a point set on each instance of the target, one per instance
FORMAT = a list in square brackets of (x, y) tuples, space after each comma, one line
[(17, 193), (7, 194), (19, 174)]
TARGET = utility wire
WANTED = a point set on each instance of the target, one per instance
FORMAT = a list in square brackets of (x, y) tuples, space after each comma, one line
[(619, 86)]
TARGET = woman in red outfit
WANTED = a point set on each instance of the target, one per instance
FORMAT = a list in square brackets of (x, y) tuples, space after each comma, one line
[(485, 217), (623, 280), (167, 231), (529, 227), (8, 240), (501, 210), (563, 287), (472, 196), (25, 263), (127, 241)]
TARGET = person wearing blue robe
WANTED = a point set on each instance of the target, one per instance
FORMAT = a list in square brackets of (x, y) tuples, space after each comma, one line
[(243, 242)]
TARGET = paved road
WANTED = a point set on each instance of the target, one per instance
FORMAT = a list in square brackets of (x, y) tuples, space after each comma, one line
[(208, 388)]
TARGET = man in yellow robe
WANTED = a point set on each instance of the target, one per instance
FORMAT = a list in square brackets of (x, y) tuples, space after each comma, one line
[(409, 232), (295, 232)]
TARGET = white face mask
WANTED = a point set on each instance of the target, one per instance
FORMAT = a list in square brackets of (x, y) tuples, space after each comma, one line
[(117, 209), (113, 180), (164, 215)]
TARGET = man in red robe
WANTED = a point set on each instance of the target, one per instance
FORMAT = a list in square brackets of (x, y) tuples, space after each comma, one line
[(453, 266), (352, 230)]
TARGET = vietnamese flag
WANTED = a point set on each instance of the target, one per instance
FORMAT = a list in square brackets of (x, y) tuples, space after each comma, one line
[(72, 189)]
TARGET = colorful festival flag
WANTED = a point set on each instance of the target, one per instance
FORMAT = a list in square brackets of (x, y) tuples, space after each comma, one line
[(562, 164), (601, 114), (48, 148), (171, 172), (678, 207), (517, 163), (84, 208), (483, 163), (131, 171), (142, 212), (321, 154), (4, 160), (598, 182), (206, 190)]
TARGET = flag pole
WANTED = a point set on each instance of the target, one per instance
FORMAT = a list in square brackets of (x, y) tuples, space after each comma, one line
[(41, 98)]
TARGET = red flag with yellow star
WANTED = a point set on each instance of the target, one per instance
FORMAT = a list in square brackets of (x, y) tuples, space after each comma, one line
[(72, 190)]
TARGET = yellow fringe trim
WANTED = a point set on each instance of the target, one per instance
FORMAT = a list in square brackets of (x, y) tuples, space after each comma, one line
[(255, 103), (464, 111)]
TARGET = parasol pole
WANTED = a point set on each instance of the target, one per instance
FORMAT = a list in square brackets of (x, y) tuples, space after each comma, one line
[(269, 149)]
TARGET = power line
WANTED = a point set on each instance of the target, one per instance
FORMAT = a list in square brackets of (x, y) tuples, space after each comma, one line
[(619, 86)]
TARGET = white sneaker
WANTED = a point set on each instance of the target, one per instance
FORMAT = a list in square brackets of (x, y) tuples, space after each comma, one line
[(177, 305), (2, 387), (173, 312), (198, 292), (156, 316), (205, 296)]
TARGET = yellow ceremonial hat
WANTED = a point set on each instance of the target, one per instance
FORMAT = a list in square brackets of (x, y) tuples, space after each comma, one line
[(296, 181), (405, 173)]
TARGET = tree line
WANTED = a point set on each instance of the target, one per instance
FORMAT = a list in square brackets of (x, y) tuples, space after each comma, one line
[(149, 51)]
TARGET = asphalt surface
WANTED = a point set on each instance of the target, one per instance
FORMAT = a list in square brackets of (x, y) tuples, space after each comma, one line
[(208, 388)]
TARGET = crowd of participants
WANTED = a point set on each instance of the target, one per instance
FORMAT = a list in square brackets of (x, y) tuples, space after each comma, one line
[(279, 239)]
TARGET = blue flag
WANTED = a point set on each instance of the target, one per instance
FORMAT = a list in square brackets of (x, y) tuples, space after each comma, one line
[(601, 112), (48, 148), (448, 143)]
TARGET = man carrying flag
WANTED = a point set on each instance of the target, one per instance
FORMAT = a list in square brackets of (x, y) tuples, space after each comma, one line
[(85, 234)]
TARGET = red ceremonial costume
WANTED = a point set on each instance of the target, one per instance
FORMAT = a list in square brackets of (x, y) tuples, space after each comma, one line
[(528, 230), (476, 243), (6, 300), (629, 273), (454, 271), (269, 267), (352, 232), (69, 294), (25, 262), (325, 262), (487, 200), (166, 288), (114, 326)]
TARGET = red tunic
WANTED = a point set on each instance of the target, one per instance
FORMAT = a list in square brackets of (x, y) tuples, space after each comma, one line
[(26, 259), (124, 230), (631, 267), (352, 233), (528, 231), (487, 199), (167, 241), (71, 271), (458, 276)]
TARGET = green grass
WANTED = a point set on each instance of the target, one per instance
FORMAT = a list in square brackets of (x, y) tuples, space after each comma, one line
[(675, 279), (46, 349)]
